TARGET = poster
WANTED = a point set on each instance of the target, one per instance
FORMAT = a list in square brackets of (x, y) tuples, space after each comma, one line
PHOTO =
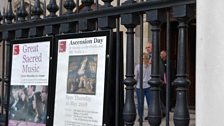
[(79, 95), (29, 84)]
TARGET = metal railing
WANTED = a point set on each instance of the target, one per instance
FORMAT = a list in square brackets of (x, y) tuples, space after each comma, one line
[(90, 16)]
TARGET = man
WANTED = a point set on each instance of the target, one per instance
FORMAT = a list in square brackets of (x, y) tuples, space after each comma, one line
[(148, 48), (44, 96), (30, 91), (163, 56)]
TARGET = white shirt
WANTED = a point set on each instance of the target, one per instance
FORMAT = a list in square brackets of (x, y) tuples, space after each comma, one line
[(146, 75)]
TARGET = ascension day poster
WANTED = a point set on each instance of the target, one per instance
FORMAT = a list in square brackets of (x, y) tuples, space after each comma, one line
[(80, 82), (29, 84)]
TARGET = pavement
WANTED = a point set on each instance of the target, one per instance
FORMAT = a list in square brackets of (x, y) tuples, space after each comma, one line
[(171, 123), (163, 123), (145, 122)]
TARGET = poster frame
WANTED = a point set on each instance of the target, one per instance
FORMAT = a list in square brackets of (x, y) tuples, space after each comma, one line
[(106, 33), (49, 39)]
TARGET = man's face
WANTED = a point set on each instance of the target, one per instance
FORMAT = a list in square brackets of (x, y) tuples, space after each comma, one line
[(34, 103), (44, 95), (23, 96), (148, 48), (163, 55), (30, 90)]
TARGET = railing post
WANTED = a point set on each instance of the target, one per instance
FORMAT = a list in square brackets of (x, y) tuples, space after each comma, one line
[(87, 24), (129, 21), (7, 36), (107, 3), (181, 114), (52, 7), (21, 15), (37, 10), (108, 23), (1, 17), (9, 13), (154, 17), (8, 61), (69, 6), (70, 27)]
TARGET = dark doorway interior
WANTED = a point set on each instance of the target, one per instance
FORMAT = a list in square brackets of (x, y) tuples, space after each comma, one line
[(191, 57), (191, 61)]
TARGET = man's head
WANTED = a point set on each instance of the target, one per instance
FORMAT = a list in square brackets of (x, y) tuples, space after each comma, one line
[(163, 55), (44, 94), (31, 89), (148, 47)]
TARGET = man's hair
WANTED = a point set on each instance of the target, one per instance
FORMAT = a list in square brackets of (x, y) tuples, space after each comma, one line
[(149, 42), (45, 89), (163, 51), (33, 86)]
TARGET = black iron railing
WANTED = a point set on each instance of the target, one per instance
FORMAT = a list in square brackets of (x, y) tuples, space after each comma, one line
[(90, 16)]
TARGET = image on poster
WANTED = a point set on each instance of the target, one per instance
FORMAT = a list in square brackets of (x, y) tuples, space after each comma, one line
[(29, 84), (80, 82), (82, 71)]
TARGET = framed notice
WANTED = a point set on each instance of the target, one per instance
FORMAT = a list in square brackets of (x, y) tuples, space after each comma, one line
[(29, 82), (80, 79)]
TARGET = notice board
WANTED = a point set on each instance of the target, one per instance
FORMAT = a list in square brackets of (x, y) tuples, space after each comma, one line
[(80, 79)]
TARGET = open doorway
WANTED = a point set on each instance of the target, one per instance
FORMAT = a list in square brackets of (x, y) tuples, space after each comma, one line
[(191, 57)]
